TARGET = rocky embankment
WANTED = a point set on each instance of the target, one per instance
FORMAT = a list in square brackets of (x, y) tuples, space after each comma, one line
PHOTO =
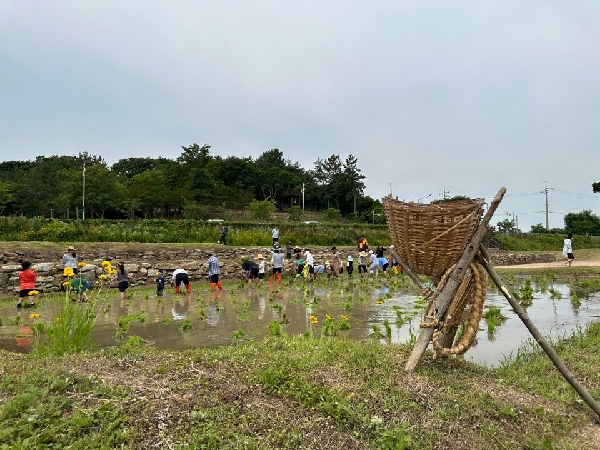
[(143, 264)]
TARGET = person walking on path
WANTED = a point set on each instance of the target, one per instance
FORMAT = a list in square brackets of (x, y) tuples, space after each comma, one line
[(181, 276), (223, 229), (275, 234), (122, 278), (213, 272), (70, 259), (568, 250), (27, 278)]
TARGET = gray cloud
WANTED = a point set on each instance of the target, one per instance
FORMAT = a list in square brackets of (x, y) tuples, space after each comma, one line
[(470, 96)]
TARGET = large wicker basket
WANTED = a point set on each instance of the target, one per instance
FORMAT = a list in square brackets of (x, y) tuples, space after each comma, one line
[(431, 237)]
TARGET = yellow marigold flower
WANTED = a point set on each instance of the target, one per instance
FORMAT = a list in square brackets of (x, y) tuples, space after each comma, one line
[(66, 283), (34, 316), (112, 272), (379, 302), (313, 319), (34, 292), (328, 316), (103, 277), (68, 272), (344, 317), (106, 264), (80, 264)]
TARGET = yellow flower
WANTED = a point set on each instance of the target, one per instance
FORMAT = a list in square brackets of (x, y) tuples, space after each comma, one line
[(34, 292), (313, 319), (80, 264), (103, 277), (34, 316), (107, 265), (379, 302), (344, 317), (66, 283), (68, 272), (58, 319), (112, 272), (328, 316)]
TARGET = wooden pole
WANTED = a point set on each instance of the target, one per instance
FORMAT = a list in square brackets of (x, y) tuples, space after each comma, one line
[(407, 270), (484, 258), (446, 295)]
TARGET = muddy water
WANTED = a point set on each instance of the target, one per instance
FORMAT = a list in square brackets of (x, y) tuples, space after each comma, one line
[(183, 322)]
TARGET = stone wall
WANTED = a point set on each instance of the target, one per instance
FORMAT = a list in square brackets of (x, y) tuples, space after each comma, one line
[(144, 265), (503, 258)]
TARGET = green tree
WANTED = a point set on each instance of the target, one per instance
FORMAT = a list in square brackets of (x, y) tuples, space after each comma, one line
[(584, 222), (538, 228), (295, 213), (506, 226), (333, 215), (261, 210), (6, 195), (596, 187), (148, 190), (195, 156), (352, 183)]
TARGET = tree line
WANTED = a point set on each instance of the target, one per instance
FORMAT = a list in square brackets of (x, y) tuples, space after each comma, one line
[(195, 185)]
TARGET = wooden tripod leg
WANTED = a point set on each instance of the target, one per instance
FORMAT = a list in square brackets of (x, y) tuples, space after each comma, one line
[(484, 258), (446, 295)]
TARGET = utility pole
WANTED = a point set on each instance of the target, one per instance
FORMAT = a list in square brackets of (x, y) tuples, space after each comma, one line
[(444, 192), (302, 199), (545, 191), (83, 205)]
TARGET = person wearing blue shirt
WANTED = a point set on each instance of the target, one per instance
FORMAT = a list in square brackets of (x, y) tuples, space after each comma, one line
[(213, 272)]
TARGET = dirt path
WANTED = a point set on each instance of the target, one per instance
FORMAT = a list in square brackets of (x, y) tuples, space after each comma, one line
[(552, 264)]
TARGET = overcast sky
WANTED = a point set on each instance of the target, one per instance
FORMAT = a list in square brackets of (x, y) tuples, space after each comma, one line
[(430, 96)]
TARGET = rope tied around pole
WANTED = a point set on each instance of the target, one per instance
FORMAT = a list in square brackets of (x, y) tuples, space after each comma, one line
[(471, 292)]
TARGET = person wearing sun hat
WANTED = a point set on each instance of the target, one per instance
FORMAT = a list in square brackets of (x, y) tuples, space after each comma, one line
[(350, 265), (262, 266), (70, 259)]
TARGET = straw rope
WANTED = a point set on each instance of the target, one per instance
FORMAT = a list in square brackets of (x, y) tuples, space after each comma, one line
[(471, 292)]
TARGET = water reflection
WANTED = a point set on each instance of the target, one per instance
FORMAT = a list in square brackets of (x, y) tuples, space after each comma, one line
[(223, 317)]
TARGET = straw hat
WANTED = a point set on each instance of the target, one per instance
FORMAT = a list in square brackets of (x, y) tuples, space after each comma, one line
[(350, 258), (260, 256), (71, 248), (363, 254), (327, 263)]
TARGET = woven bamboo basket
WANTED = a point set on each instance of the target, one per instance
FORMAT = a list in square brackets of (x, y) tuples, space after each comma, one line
[(430, 238)]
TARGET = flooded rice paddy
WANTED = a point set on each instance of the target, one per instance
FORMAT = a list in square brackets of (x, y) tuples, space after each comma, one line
[(385, 310)]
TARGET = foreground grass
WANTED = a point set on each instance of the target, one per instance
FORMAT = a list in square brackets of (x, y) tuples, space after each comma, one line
[(294, 392)]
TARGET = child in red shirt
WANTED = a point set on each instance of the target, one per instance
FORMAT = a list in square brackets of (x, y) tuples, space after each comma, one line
[(27, 278)]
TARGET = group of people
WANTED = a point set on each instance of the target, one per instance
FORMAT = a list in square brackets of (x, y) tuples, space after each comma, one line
[(368, 262), (302, 262)]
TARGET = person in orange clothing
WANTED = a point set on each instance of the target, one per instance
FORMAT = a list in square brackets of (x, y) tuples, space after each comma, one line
[(27, 279)]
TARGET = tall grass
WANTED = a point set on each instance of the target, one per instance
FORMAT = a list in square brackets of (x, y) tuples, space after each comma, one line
[(71, 332)]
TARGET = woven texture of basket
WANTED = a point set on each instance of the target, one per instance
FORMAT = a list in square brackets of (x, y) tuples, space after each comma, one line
[(430, 238)]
